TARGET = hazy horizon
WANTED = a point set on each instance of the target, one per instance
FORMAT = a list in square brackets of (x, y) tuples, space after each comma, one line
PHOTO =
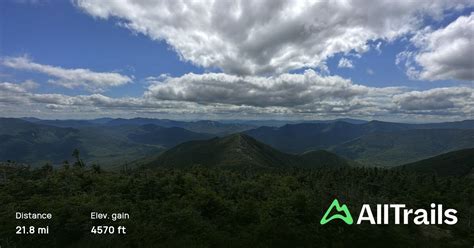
[(230, 120)]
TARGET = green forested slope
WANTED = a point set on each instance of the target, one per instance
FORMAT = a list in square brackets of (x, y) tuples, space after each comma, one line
[(202, 207), (397, 148), (241, 151), (457, 163)]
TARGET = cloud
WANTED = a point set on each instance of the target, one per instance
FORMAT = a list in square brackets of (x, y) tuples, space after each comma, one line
[(378, 103), (285, 90), (378, 47), (443, 54), (216, 96), (13, 93), (345, 63), (70, 78), (17, 88), (437, 99), (268, 36)]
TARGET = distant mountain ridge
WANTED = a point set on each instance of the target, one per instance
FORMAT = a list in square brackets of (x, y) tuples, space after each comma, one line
[(166, 136), (374, 143), (36, 143), (24, 141), (240, 151), (233, 126), (280, 123), (401, 147), (297, 138), (204, 126)]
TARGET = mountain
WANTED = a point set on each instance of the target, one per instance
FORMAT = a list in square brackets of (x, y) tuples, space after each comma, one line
[(240, 151), (211, 127), (106, 140), (164, 136), (297, 138), (30, 119), (348, 120), (456, 163), (400, 147), (67, 123), (143, 121), (323, 158), (466, 124), (372, 143), (36, 143), (100, 120), (215, 127), (236, 150), (75, 123), (24, 141), (279, 123), (117, 144)]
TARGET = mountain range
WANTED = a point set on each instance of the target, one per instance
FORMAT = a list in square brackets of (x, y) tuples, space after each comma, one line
[(374, 143), (110, 141), (37, 143), (401, 147), (204, 126)]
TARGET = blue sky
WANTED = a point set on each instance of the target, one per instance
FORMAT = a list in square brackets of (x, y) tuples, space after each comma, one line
[(62, 35), (217, 74)]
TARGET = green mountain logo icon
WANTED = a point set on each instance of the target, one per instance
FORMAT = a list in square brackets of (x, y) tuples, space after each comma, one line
[(346, 217)]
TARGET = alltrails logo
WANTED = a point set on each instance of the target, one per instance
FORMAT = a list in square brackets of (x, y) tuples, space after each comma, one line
[(401, 214), (347, 217)]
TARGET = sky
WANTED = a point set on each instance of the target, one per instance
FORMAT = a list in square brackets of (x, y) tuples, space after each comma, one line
[(409, 61)]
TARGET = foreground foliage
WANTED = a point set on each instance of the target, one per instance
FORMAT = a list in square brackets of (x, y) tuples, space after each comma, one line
[(201, 207)]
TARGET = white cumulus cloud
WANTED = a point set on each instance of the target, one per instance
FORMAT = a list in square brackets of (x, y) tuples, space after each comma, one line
[(8, 87), (446, 53), (70, 78), (268, 36), (285, 90), (438, 99), (324, 97), (345, 63)]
